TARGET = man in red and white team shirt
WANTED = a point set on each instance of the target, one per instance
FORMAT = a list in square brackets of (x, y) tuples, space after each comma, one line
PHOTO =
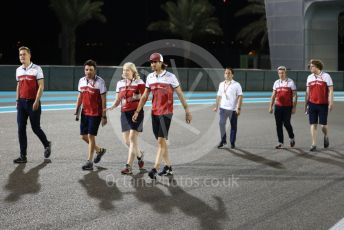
[(319, 100), (284, 97), (162, 85), (30, 85), (92, 98), (128, 94)]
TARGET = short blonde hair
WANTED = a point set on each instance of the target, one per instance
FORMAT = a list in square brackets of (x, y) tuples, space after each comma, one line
[(25, 48), (133, 68)]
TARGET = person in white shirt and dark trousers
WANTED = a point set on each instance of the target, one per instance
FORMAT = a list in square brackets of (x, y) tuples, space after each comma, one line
[(229, 99)]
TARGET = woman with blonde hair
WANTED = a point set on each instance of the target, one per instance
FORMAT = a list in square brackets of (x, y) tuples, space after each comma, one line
[(128, 94)]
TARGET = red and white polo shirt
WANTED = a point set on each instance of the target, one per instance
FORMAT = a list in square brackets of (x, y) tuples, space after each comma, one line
[(129, 93), (284, 92), (318, 87), (27, 78), (91, 91), (162, 87)]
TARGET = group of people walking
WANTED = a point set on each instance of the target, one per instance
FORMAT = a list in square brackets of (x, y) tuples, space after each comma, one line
[(132, 94), (318, 101)]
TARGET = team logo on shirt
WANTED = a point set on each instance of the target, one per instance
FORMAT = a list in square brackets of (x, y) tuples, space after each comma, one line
[(157, 87), (26, 78), (88, 89), (284, 89), (316, 83)]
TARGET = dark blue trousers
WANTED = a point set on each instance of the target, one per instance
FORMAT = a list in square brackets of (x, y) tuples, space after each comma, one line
[(24, 111), (233, 119)]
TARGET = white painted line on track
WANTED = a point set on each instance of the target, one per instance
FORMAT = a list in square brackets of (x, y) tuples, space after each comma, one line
[(338, 226)]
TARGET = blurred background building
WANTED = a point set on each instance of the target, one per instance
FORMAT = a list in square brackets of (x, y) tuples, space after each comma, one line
[(303, 29)]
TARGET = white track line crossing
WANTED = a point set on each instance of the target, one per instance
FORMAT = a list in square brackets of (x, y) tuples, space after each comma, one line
[(338, 226)]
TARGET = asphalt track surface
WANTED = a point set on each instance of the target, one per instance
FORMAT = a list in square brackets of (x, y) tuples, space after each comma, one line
[(251, 187)]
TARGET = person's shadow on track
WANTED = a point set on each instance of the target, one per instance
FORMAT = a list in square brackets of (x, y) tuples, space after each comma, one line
[(334, 153), (258, 159), (311, 156), (151, 194), (98, 188), (207, 216), (20, 183)]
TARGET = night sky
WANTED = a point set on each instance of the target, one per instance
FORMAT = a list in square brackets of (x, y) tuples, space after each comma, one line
[(125, 30)]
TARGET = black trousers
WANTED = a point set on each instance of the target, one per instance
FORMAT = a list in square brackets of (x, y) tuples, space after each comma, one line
[(282, 117), (24, 111)]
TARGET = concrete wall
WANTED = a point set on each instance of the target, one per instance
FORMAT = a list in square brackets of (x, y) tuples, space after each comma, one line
[(191, 79), (321, 33), (285, 22), (299, 30)]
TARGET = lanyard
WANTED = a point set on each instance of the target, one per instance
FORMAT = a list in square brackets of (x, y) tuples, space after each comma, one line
[(157, 75), (126, 99), (225, 88), (285, 84), (126, 85), (319, 76), (93, 81), (126, 89)]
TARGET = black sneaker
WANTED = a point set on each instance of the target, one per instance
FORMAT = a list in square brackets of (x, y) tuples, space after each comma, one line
[(313, 148), (87, 166), (292, 142), (99, 155), (221, 144), (20, 160), (152, 173), (140, 162), (326, 142), (47, 150), (232, 146), (166, 171)]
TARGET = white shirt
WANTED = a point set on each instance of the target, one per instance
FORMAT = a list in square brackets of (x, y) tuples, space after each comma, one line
[(229, 94), (164, 77), (321, 77), (285, 83)]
